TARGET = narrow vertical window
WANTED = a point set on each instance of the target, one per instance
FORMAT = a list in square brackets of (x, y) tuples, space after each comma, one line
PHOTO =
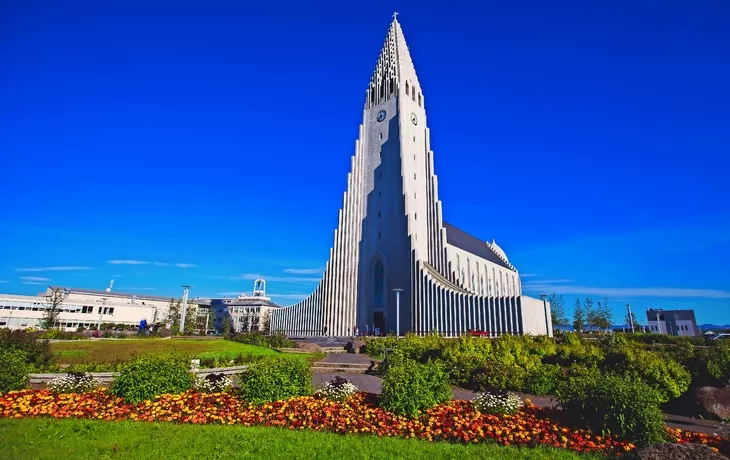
[(379, 284), (406, 88), (420, 101)]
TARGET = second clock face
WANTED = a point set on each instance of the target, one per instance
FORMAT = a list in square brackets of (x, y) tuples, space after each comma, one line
[(414, 118), (381, 115)]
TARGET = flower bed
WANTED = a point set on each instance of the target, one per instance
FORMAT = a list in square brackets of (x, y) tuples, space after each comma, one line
[(456, 421)]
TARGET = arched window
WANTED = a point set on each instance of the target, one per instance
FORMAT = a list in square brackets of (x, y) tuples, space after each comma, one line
[(379, 284)]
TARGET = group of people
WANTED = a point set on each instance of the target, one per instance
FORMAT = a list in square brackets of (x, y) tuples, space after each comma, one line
[(357, 332)]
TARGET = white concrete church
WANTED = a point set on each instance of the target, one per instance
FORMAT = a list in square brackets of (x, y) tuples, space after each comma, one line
[(391, 235)]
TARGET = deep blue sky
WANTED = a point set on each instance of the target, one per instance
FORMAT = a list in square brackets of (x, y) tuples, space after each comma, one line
[(590, 139)]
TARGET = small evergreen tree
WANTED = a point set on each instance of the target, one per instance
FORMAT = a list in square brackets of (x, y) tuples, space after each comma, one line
[(227, 324), (579, 316), (604, 315), (557, 310), (590, 312)]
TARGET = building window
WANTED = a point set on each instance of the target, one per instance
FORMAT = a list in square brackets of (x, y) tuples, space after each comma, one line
[(414, 138), (380, 136), (407, 88), (415, 216), (414, 176), (420, 101), (379, 284)]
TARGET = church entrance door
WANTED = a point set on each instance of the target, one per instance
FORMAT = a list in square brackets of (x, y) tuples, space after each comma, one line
[(379, 321)]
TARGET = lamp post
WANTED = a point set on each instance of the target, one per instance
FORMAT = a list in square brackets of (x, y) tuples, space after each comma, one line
[(544, 306), (397, 312), (184, 307), (631, 317), (101, 310)]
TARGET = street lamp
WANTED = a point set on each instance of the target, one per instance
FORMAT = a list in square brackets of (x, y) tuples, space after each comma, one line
[(184, 307), (544, 306), (397, 312), (101, 309)]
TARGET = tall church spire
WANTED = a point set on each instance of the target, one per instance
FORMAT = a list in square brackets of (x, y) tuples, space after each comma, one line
[(394, 67)]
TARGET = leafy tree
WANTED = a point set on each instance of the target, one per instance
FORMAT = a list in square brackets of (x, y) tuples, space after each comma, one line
[(173, 315), (266, 322), (190, 319), (53, 308), (632, 317), (227, 325), (579, 316), (557, 310)]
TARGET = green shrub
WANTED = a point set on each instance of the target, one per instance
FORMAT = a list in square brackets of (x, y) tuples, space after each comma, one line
[(276, 379), (276, 340), (718, 362), (150, 376), (410, 387), (462, 366), (543, 380), (503, 375), (614, 404), (37, 352), (666, 375), (13, 370)]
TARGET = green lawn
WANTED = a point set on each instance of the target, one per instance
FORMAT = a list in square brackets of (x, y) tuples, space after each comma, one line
[(106, 351), (86, 439)]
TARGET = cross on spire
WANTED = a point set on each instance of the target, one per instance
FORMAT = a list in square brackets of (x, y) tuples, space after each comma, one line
[(395, 15)]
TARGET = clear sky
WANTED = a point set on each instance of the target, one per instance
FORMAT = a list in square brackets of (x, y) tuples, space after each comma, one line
[(590, 139)]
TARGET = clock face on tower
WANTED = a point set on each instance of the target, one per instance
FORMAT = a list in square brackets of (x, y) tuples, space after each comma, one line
[(381, 115), (414, 118)]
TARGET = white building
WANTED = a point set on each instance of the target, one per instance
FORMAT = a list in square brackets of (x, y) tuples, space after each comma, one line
[(83, 307), (391, 235), (673, 322), (246, 312)]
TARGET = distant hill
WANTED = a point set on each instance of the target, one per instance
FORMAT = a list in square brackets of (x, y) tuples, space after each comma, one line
[(712, 327)]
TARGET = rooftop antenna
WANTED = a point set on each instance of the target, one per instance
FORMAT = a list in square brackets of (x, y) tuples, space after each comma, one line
[(111, 285)]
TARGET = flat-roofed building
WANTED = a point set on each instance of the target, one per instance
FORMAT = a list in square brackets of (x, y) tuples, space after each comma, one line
[(673, 322), (83, 307)]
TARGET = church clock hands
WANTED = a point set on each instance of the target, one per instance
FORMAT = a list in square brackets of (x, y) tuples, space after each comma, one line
[(414, 118), (381, 115)]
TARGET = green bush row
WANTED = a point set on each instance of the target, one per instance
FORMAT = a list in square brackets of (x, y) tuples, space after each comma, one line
[(275, 340), (537, 364)]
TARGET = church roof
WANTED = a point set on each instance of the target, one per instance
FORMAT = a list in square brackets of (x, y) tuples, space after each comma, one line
[(470, 243)]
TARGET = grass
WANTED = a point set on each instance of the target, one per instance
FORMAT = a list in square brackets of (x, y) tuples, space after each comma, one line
[(87, 439), (106, 351)]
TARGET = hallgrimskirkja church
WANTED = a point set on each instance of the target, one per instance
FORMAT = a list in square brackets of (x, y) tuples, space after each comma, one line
[(391, 236)]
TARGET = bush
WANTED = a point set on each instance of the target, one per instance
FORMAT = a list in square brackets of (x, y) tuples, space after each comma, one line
[(276, 340), (666, 375), (338, 389), (497, 402), (213, 383), (718, 362), (504, 375), (410, 387), (276, 379), (74, 382), (616, 405), (543, 380), (150, 376), (37, 352), (14, 370)]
